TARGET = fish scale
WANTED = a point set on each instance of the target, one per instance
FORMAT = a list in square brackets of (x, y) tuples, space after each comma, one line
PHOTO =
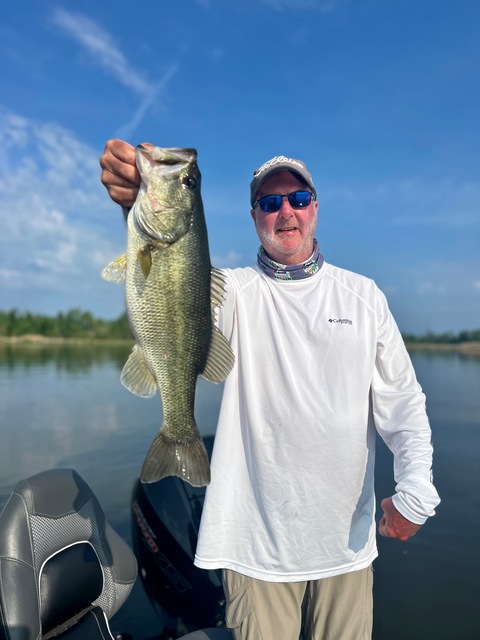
[(171, 295)]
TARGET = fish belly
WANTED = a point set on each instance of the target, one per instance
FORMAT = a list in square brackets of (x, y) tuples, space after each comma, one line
[(170, 317)]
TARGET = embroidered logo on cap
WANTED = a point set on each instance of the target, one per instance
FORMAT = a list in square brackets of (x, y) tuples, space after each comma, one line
[(277, 160)]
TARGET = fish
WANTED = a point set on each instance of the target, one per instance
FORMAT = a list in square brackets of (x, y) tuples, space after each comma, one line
[(172, 293)]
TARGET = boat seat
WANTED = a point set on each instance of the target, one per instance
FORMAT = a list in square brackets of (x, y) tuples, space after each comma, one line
[(64, 571)]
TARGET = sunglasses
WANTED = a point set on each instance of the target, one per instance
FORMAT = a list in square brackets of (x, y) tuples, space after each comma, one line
[(296, 199)]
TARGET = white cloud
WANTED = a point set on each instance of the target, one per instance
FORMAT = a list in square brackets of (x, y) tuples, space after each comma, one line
[(427, 288), (447, 277), (438, 295), (128, 128), (107, 54), (56, 217), (230, 260), (98, 42), (59, 227)]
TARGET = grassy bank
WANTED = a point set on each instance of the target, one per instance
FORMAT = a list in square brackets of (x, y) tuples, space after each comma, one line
[(470, 348), (35, 339)]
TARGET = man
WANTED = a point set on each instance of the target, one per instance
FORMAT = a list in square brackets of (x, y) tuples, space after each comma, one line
[(320, 364)]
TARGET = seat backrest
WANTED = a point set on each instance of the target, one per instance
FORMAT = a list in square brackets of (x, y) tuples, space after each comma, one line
[(59, 559)]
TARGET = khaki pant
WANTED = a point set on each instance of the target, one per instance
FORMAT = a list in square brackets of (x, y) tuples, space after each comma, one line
[(338, 608)]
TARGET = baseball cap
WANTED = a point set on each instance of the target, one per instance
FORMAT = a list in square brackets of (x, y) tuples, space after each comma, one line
[(279, 163)]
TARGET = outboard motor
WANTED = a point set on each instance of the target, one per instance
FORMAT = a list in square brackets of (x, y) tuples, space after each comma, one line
[(165, 522), (63, 570)]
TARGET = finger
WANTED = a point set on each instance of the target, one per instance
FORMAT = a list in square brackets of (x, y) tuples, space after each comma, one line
[(121, 191), (125, 197), (386, 504), (111, 179), (118, 158), (382, 527), (111, 164), (124, 151), (118, 174), (120, 149)]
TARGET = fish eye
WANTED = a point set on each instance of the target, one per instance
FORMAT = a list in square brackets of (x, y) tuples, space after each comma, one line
[(190, 182)]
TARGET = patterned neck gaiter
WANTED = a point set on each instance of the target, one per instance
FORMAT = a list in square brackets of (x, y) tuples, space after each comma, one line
[(290, 271)]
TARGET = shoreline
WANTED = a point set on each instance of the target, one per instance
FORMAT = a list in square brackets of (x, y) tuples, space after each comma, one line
[(33, 339), (467, 348), (470, 348)]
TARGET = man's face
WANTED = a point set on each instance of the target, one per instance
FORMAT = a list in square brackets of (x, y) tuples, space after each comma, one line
[(287, 235)]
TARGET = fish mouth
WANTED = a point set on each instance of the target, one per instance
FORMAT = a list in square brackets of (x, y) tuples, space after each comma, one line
[(171, 161), (173, 156)]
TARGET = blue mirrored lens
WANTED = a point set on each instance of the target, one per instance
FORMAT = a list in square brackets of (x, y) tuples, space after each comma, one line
[(270, 203), (297, 200)]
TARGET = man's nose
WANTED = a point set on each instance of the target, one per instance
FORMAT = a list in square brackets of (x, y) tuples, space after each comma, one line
[(286, 209)]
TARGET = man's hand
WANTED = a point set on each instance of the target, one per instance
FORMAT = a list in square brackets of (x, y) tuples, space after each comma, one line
[(393, 524), (119, 172)]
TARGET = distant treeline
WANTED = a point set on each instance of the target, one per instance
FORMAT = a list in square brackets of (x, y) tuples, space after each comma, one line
[(444, 338), (69, 324), (82, 324)]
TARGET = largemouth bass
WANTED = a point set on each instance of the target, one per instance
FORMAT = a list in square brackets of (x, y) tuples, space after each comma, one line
[(171, 296)]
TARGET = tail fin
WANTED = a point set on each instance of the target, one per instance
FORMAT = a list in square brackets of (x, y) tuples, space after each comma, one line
[(188, 460)]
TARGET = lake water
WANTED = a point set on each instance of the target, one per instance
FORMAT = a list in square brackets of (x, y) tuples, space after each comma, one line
[(64, 406)]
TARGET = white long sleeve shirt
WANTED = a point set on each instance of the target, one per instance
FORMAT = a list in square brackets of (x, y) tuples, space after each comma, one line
[(320, 364)]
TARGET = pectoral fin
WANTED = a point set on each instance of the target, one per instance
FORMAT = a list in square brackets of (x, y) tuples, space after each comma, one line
[(217, 289), (220, 359), (136, 375), (145, 258), (116, 270)]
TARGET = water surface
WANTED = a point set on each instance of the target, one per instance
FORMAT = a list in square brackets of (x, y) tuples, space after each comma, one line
[(64, 406)]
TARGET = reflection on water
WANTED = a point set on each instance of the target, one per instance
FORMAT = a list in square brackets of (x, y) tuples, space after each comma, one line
[(64, 357), (65, 406), (429, 587)]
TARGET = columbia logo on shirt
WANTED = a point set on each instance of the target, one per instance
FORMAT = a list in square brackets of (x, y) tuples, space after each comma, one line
[(340, 321)]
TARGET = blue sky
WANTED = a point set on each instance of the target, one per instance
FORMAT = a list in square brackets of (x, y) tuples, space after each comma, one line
[(380, 98)]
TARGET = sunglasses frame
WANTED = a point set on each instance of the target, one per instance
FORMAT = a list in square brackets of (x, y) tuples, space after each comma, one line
[(282, 196)]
